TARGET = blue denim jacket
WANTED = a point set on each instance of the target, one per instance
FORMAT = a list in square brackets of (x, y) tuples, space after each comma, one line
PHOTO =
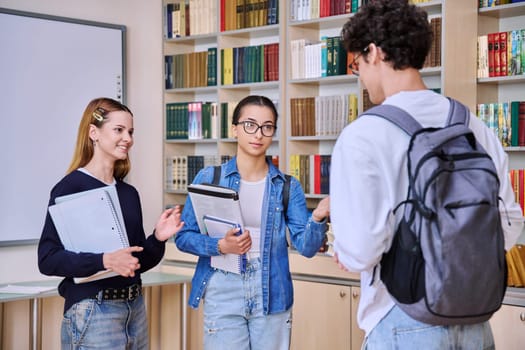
[(306, 236)]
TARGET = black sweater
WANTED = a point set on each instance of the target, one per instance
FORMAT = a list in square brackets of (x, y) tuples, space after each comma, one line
[(54, 260)]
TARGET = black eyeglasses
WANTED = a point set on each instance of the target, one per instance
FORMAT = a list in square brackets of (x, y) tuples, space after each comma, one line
[(250, 127), (354, 66)]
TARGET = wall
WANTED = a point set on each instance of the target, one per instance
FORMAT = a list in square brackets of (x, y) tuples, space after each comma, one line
[(144, 96)]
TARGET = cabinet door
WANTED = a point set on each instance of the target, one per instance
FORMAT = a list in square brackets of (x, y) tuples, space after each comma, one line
[(508, 327), (321, 316), (358, 335)]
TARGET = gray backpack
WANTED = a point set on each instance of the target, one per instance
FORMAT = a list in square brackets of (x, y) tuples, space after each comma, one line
[(447, 261)]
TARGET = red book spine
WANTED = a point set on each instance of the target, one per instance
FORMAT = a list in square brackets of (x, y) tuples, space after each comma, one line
[(497, 55), (503, 53), (317, 174), (521, 188), (275, 62), (222, 12)]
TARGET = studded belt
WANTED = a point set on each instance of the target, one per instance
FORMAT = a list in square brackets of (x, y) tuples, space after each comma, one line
[(128, 293)]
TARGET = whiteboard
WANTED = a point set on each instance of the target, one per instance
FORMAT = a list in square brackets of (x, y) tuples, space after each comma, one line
[(50, 68)]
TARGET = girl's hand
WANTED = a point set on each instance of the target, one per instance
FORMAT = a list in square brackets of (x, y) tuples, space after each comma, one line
[(233, 244), (122, 261), (168, 224)]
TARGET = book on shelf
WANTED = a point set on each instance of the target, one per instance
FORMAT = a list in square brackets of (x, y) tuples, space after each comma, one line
[(321, 115), (506, 120), (217, 227), (240, 14), (212, 66), (505, 53), (191, 120), (516, 266), (189, 17), (90, 222), (312, 171), (189, 70)]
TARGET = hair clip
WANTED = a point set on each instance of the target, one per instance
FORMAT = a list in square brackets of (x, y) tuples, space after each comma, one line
[(98, 114)]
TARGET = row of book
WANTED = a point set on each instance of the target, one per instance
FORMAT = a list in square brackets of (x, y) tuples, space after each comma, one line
[(301, 10), (182, 169), (517, 179), (433, 58), (506, 119), (239, 14), (501, 54), (322, 58), (328, 57), (250, 64), (190, 17), (322, 115), (312, 171), (492, 3), (191, 120), (516, 266), (194, 69)]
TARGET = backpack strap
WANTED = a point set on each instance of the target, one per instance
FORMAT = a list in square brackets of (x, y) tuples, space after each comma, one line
[(216, 175), (286, 192), (396, 115), (286, 187), (458, 114)]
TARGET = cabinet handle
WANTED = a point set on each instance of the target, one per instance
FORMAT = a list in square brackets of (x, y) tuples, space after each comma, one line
[(355, 294), (522, 316), (342, 293)]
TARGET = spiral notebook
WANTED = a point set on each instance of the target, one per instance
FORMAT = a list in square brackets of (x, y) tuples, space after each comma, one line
[(217, 227), (91, 222)]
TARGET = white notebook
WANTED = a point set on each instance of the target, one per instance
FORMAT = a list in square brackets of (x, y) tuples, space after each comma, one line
[(214, 200), (90, 222), (217, 227)]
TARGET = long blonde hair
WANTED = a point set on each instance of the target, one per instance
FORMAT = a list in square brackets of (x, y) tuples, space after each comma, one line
[(95, 113)]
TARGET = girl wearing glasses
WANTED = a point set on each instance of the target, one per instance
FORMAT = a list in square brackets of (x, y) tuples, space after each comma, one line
[(252, 310), (107, 313)]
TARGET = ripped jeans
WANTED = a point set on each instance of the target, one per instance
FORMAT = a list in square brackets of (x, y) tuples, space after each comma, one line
[(233, 314)]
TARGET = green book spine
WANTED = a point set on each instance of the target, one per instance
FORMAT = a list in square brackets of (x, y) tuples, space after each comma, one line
[(329, 56), (336, 57), (514, 119), (206, 120)]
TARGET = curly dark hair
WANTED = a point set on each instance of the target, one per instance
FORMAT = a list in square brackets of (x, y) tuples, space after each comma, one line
[(401, 30)]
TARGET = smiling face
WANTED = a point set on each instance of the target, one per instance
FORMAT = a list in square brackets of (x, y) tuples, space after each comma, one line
[(255, 144), (115, 137)]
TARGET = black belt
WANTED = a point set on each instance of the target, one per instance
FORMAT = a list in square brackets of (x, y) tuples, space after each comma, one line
[(127, 293)]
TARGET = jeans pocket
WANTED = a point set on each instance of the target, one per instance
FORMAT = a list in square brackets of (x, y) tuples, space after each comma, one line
[(76, 321)]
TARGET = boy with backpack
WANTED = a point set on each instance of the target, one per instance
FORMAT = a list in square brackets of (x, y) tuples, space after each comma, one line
[(421, 200)]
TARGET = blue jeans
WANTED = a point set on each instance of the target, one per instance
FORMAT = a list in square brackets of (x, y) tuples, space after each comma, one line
[(399, 331), (105, 324), (233, 314)]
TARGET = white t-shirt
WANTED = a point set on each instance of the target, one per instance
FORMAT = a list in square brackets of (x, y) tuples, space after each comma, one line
[(251, 199)]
